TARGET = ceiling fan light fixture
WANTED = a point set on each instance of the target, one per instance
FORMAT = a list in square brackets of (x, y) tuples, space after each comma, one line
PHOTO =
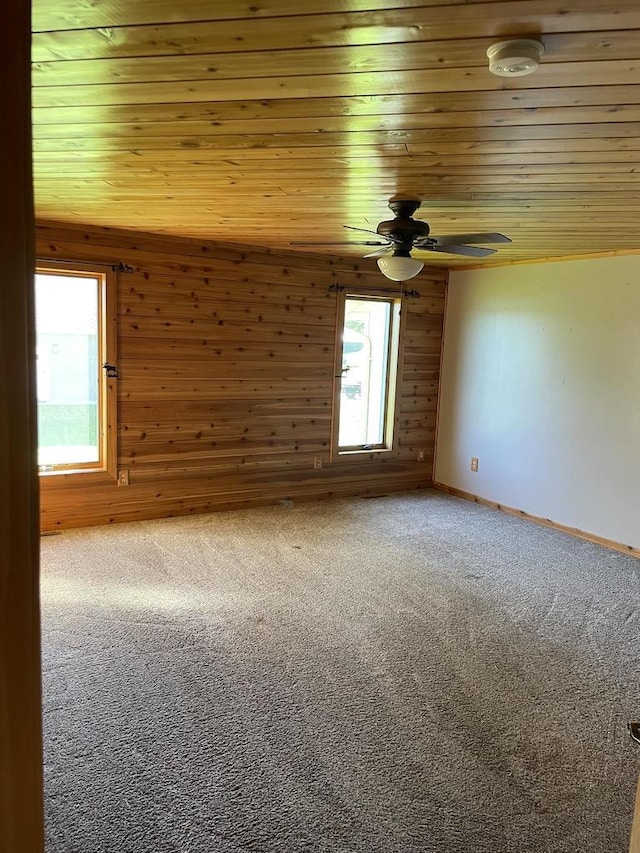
[(515, 58), (399, 267)]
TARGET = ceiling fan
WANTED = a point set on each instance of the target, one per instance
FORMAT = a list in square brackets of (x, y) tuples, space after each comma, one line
[(398, 237)]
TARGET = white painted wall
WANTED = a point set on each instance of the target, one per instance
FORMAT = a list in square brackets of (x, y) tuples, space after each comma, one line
[(541, 381)]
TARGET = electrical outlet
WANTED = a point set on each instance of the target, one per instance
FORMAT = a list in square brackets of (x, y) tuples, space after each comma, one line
[(123, 477), (317, 463), (421, 455), (474, 463)]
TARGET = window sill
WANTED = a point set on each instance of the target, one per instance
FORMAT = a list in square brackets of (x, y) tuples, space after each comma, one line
[(363, 455)]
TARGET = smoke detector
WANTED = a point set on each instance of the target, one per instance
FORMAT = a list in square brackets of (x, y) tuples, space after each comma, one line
[(515, 58)]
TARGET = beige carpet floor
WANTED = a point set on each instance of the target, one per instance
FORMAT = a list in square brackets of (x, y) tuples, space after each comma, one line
[(408, 673)]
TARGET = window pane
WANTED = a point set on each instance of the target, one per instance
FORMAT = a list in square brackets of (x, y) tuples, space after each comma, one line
[(67, 369), (365, 352)]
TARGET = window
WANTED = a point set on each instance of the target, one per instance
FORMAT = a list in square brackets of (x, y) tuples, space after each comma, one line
[(76, 399), (367, 363)]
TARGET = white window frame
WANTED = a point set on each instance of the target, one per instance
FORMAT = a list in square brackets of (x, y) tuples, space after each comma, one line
[(105, 469), (389, 446)]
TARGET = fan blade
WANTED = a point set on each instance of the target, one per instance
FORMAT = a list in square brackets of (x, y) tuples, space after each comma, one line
[(463, 239), (343, 243), (471, 251), (380, 252)]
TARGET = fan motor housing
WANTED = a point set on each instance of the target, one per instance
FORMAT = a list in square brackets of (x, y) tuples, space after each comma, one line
[(403, 228)]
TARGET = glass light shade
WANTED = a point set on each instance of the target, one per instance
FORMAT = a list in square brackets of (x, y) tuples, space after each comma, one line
[(399, 267)]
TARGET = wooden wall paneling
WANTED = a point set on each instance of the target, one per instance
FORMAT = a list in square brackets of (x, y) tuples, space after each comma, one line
[(226, 377), (21, 821), (184, 255)]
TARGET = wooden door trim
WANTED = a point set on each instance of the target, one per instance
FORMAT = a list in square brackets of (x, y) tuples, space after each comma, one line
[(21, 824)]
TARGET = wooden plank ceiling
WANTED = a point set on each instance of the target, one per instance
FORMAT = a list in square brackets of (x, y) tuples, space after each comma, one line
[(271, 121)]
